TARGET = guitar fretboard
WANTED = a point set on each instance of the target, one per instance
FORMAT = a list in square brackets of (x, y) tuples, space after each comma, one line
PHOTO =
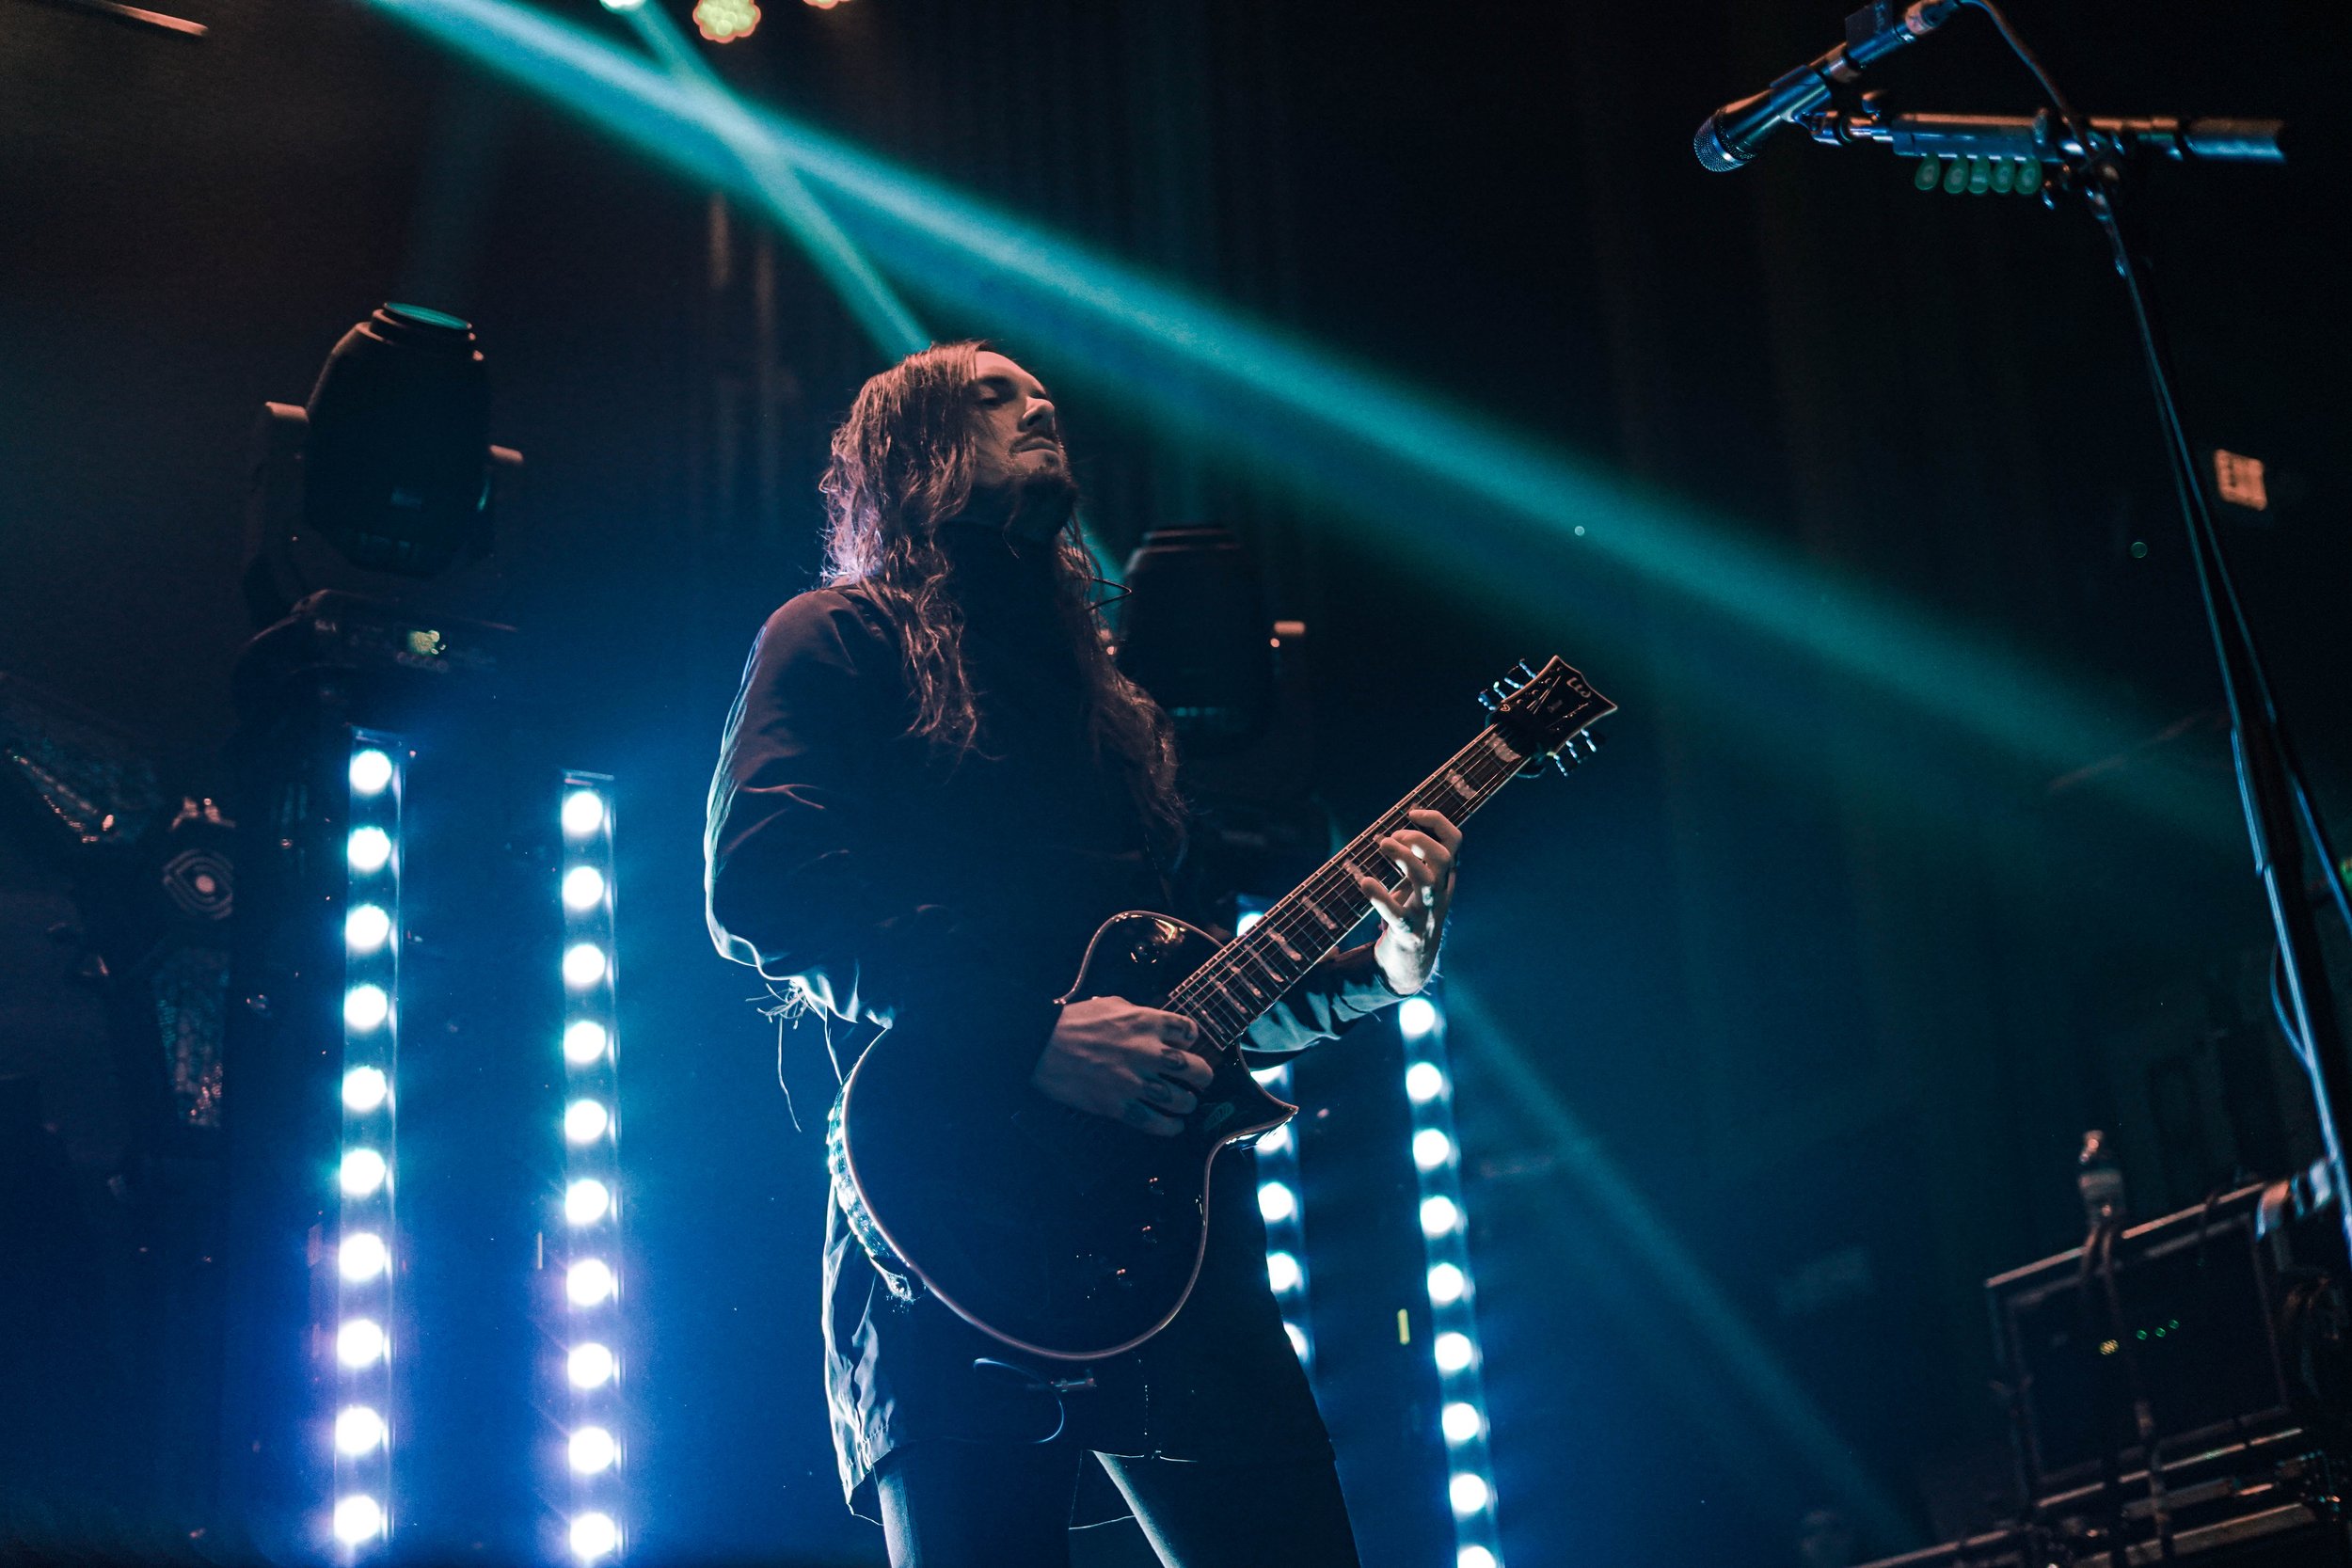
[(1249, 974)]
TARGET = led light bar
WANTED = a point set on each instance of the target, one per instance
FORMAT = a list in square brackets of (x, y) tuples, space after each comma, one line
[(587, 1209), (361, 1424), (1445, 1240), (1278, 1197)]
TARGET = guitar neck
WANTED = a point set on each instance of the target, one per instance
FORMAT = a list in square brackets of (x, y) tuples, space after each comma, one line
[(1249, 974)]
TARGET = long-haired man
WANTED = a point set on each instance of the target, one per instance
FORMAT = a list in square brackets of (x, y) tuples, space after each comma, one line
[(934, 784)]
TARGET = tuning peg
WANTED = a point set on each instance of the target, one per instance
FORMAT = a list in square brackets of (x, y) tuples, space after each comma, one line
[(1488, 701), (1592, 742), (1565, 761), (1526, 674)]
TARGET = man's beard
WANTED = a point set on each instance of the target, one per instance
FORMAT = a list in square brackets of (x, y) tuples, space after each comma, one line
[(1037, 505)]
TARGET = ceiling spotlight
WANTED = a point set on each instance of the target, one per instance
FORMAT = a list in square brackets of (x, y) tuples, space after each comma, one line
[(725, 20)]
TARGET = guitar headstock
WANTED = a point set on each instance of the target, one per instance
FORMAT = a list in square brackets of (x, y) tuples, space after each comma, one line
[(1547, 712)]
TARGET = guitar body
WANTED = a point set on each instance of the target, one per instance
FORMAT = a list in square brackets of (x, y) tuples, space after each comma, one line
[(1075, 1237), (1063, 1234)]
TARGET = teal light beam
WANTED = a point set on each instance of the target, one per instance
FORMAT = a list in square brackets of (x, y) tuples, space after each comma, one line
[(1682, 1281), (1519, 517), (865, 293)]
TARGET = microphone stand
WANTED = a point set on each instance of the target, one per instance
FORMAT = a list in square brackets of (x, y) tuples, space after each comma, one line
[(2089, 158)]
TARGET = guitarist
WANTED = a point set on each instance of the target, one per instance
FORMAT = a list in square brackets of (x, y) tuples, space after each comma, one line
[(934, 784)]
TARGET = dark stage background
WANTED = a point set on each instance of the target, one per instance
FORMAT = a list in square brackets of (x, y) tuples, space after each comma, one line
[(1832, 985)]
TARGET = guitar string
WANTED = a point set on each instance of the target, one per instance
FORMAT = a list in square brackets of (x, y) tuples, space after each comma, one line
[(1470, 778), (1303, 913), (1308, 914)]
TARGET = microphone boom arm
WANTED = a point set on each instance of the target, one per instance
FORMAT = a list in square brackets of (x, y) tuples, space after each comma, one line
[(2041, 138)]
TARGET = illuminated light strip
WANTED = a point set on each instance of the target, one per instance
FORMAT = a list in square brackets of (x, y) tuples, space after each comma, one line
[(1452, 1289), (1282, 1199), (362, 1425), (588, 1205)]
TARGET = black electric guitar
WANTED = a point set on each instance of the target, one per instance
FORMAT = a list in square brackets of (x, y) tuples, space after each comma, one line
[(1075, 1237)]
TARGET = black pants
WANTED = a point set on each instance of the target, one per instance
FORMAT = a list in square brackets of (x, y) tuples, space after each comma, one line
[(948, 1504)]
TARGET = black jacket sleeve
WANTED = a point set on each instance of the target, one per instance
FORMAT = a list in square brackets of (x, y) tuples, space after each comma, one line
[(795, 881), (1341, 989)]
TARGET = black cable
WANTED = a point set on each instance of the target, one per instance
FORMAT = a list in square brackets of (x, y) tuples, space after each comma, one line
[(1032, 1383), (2049, 88), (2281, 1010)]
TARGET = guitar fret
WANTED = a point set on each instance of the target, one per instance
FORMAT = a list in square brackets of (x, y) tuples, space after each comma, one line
[(1249, 974)]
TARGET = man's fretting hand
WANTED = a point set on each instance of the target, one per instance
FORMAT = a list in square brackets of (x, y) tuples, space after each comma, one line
[(1412, 915), (1115, 1059)]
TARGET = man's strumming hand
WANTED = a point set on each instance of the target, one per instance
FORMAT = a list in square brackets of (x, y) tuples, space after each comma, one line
[(1412, 915), (1115, 1059)]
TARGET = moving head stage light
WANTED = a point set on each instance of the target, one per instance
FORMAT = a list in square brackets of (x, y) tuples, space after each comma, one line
[(387, 474)]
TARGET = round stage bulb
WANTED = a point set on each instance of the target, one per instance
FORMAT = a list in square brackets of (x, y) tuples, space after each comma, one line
[(1276, 1202), (583, 887), (364, 1088), (366, 1007), (593, 1450), (1249, 918), (588, 1281), (362, 1172), (358, 1430), (1468, 1491), (1282, 1271), (366, 928), (1474, 1557), (1453, 1350), (368, 848), (1446, 1284), (583, 813), (584, 1121), (593, 1535), (1431, 1148), (357, 1519), (584, 1041), (1439, 1216), (1297, 1339), (583, 965), (589, 1365), (1423, 1082), (1271, 1077), (1460, 1422), (1277, 1141), (1417, 1017), (623, 4), (360, 1342), (362, 1256), (585, 1202), (371, 770)]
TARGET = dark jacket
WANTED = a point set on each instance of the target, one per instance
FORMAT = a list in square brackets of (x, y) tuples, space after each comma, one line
[(892, 885)]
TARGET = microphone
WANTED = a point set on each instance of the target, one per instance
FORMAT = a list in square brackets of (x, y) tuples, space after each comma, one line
[(1732, 133)]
